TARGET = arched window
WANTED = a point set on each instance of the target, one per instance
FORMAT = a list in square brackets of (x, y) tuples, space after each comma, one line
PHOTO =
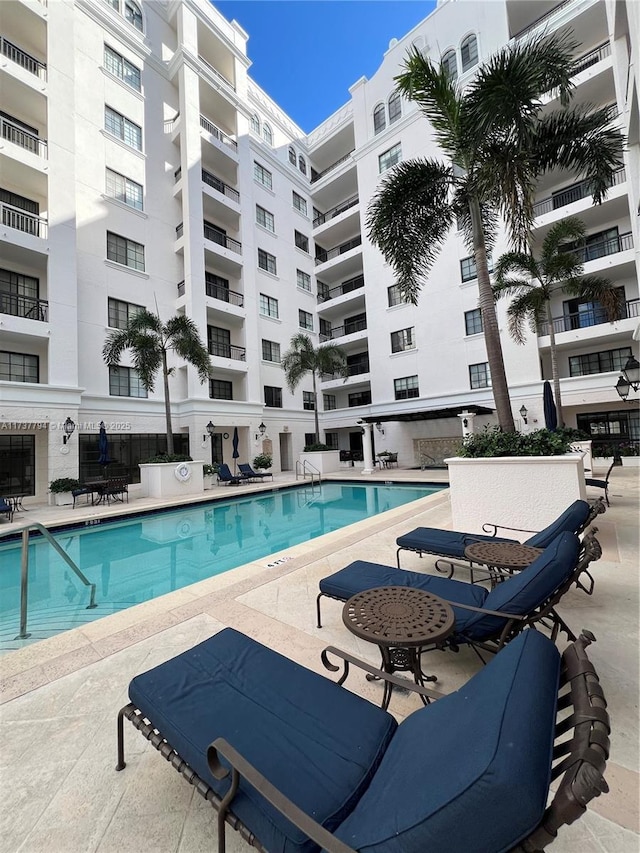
[(395, 107), (379, 119), (133, 14), (469, 52), (267, 134), (292, 155), (302, 164), (255, 123), (450, 65)]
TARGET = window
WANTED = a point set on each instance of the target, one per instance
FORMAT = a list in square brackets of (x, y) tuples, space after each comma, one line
[(394, 295), (120, 127), (468, 269), (379, 119), (305, 320), (124, 189), (220, 389), (267, 134), (133, 14), (219, 341), (270, 351), (395, 107), (264, 218), (302, 165), (125, 382), (268, 306), (19, 295), (303, 280), (359, 398), (255, 123), (299, 203), (579, 314), (218, 287), (331, 440), (329, 402), (273, 396), (389, 158), (480, 375), (262, 176), (450, 65), (301, 241), (473, 321), (125, 252), (308, 401), (19, 367), (598, 362), (119, 312), (325, 329), (121, 68), (266, 261), (469, 52), (18, 454), (406, 387), (292, 156), (403, 340)]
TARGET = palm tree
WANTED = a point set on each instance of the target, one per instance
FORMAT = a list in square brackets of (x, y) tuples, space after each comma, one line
[(533, 282), (498, 139), (302, 358), (150, 340)]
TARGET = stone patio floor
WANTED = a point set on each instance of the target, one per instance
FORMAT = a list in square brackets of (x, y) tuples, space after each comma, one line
[(58, 787)]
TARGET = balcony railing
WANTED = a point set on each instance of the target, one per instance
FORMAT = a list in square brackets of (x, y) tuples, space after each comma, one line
[(228, 351), (602, 248), (573, 193), (216, 72), (592, 317), (591, 58), (18, 136), (220, 135), (181, 288), (325, 292), (177, 174), (335, 211), (15, 217), (346, 329), (523, 33), (221, 239), (323, 255), (23, 59), (216, 291), (24, 306), (179, 230), (217, 184), (315, 176)]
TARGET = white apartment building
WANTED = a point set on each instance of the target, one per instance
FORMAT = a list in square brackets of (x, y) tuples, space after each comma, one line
[(141, 166)]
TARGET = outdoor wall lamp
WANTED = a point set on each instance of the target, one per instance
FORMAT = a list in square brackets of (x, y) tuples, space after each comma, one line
[(261, 431), (465, 422), (622, 387), (523, 413), (379, 427), (631, 372), (68, 427), (210, 430)]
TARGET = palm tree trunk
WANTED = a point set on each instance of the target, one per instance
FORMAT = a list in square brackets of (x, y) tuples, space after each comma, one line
[(167, 402), (315, 406), (555, 376), (490, 324)]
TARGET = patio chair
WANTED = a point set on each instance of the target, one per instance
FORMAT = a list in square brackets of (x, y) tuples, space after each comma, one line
[(247, 471), (485, 619), (296, 763), (604, 484), (6, 509), (452, 543), (225, 475)]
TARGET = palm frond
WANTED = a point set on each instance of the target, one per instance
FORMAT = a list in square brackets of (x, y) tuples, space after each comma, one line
[(522, 263), (461, 213), (596, 289), (146, 356), (184, 338), (522, 312), (330, 359)]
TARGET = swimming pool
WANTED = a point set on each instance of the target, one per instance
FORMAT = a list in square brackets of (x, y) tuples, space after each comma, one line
[(132, 560)]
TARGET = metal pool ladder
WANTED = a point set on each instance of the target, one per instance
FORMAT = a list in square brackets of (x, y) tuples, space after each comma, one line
[(25, 529), (304, 468)]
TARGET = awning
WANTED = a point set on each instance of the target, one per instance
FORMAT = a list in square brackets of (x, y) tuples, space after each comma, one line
[(430, 414)]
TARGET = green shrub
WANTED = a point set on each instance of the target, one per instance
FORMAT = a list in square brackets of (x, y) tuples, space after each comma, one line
[(168, 457), (209, 470), (262, 460), (310, 448), (63, 484), (493, 442)]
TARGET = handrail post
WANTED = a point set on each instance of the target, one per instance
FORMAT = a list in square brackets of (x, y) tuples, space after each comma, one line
[(24, 586)]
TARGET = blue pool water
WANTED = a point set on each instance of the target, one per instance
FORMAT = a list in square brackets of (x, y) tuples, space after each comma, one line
[(137, 559)]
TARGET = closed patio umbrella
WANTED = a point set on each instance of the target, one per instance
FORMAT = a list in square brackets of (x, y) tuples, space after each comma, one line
[(236, 452), (550, 413), (103, 448)]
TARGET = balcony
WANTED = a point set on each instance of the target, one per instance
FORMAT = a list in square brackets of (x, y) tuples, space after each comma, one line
[(216, 73), (325, 293), (28, 307), (14, 217), (592, 58), (602, 248), (315, 176), (227, 351), (218, 134), (335, 211), (573, 193), (23, 59), (217, 291), (541, 20), (324, 255), (591, 317), (349, 328), (18, 136), (220, 186), (215, 236)]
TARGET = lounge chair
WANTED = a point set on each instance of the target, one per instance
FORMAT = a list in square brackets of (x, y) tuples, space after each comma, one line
[(604, 484), (225, 475), (6, 509), (297, 763), (452, 543), (485, 619), (247, 471)]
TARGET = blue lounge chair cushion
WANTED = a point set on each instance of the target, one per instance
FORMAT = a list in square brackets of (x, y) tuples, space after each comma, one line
[(571, 519), (450, 543), (279, 715), (495, 733)]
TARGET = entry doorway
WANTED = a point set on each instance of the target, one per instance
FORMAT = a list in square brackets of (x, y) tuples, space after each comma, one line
[(286, 453)]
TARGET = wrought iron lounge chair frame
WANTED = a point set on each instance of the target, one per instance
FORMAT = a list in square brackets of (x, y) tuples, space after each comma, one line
[(580, 760), (598, 483)]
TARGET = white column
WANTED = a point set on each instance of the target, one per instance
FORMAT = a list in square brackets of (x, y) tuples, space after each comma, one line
[(466, 421), (366, 449)]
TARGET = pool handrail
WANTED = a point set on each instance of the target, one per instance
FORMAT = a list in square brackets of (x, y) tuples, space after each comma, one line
[(305, 467), (25, 529)]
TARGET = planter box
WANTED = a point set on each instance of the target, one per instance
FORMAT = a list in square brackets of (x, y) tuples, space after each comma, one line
[(324, 461), (630, 461), (171, 479), (525, 492), (208, 481), (60, 499)]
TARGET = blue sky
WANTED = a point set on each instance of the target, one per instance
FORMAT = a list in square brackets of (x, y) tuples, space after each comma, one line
[(306, 53)]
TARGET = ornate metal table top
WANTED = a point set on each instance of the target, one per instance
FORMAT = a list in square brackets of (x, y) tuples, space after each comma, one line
[(398, 616), (503, 555)]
